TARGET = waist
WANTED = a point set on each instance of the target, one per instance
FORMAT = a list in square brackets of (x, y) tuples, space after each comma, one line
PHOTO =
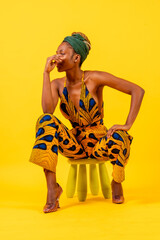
[(84, 132), (94, 124)]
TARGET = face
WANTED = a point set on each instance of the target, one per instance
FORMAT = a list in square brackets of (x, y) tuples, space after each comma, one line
[(67, 55)]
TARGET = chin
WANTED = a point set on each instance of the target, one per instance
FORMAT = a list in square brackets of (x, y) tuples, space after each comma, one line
[(60, 69)]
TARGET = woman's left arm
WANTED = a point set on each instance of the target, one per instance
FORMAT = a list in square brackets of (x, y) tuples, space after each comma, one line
[(103, 78)]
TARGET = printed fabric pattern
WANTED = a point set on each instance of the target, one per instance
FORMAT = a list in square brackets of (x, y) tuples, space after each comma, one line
[(87, 138)]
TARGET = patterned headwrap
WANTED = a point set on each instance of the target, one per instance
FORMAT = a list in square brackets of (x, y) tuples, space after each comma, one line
[(78, 44)]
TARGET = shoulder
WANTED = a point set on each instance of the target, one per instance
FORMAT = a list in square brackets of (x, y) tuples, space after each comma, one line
[(102, 78), (99, 78), (57, 82), (57, 85)]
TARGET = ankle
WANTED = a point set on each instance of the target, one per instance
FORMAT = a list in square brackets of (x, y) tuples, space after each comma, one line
[(52, 187), (114, 182)]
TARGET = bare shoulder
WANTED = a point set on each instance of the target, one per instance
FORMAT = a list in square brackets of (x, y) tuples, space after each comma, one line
[(58, 84), (58, 81), (95, 76), (101, 77)]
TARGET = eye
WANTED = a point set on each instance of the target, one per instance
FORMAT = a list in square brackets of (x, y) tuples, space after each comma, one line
[(62, 53)]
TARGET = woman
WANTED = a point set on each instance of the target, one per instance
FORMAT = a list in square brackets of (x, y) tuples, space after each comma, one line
[(81, 102)]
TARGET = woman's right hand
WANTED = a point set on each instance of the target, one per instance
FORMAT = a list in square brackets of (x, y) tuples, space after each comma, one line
[(50, 65)]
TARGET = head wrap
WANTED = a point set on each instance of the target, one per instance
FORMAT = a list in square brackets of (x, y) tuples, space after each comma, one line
[(78, 44)]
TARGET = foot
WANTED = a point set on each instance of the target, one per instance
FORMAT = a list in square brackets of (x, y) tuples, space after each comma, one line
[(117, 192), (53, 199)]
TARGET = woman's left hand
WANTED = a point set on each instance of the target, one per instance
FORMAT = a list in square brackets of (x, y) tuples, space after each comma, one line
[(117, 127)]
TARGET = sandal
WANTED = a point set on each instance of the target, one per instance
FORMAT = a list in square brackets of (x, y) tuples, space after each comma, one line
[(117, 199), (52, 207)]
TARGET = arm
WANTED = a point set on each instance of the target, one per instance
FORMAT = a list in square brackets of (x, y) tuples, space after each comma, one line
[(137, 93), (49, 94), (136, 100)]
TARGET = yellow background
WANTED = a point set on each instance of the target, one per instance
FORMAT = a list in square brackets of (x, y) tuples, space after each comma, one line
[(125, 42)]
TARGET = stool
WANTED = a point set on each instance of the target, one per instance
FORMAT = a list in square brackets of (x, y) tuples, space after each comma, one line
[(82, 178)]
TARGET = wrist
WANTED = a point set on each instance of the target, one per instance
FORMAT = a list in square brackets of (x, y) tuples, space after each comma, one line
[(128, 125), (45, 72)]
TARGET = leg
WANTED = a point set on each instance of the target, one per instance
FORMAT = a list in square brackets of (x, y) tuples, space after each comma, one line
[(52, 135), (117, 150), (54, 192), (51, 185)]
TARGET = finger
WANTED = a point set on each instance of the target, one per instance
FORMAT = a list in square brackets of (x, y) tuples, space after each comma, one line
[(50, 58), (53, 63), (59, 59), (108, 135), (112, 132), (56, 60)]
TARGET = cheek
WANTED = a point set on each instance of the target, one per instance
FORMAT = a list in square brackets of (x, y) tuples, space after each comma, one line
[(63, 58), (67, 61)]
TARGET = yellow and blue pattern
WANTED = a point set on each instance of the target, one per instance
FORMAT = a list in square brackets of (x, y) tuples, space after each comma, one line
[(87, 138)]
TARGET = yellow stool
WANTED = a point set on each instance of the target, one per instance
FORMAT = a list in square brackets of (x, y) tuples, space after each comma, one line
[(82, 178)]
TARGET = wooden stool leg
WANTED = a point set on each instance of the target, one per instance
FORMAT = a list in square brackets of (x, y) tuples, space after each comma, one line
[(94, 184), (105, 181), (71, 181), (82, 183)]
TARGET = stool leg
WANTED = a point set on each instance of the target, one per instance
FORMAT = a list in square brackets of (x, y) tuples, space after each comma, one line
[(105, 181), (71, 181), (82, 183), (94, 185)]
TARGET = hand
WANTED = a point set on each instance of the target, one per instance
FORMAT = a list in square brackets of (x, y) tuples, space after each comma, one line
[(117, 127), (50, 65)]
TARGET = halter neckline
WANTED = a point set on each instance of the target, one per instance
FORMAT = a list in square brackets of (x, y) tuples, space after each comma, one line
[(66, 79), (88, 109)]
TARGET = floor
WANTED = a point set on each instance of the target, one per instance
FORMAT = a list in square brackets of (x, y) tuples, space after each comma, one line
[(96, 218)]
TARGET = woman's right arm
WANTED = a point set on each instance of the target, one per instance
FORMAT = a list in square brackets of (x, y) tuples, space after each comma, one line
[(50, 90), (49, 94)]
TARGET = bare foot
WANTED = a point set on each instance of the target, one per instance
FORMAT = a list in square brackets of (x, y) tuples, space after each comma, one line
[(117, 192)]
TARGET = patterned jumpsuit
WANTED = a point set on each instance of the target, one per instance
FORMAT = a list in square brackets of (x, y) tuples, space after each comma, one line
[(86, 139)]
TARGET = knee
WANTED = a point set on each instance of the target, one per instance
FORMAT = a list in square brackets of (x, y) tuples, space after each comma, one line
[(45, 119), (120, 136)]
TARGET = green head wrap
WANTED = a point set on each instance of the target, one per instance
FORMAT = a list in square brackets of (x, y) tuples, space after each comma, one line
[(78, 44)]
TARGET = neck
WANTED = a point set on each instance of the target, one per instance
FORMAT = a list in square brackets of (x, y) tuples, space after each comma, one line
[(74, 76)]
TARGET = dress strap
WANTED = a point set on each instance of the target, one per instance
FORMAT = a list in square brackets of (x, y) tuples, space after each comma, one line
[(83, 76), (66, 79)]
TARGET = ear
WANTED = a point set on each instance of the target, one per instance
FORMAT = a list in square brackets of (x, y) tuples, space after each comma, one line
[(78, 57)]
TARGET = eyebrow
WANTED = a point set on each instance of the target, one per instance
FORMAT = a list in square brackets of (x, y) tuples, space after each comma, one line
[(60, 50)]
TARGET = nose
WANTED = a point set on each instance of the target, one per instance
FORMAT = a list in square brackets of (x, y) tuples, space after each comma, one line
[(58, 56)]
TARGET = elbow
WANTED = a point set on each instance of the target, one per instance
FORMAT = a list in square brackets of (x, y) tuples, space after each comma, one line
[(47, 109), (138, 90), (143, 91)]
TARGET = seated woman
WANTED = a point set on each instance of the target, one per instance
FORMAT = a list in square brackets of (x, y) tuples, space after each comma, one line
[(81, 102)]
